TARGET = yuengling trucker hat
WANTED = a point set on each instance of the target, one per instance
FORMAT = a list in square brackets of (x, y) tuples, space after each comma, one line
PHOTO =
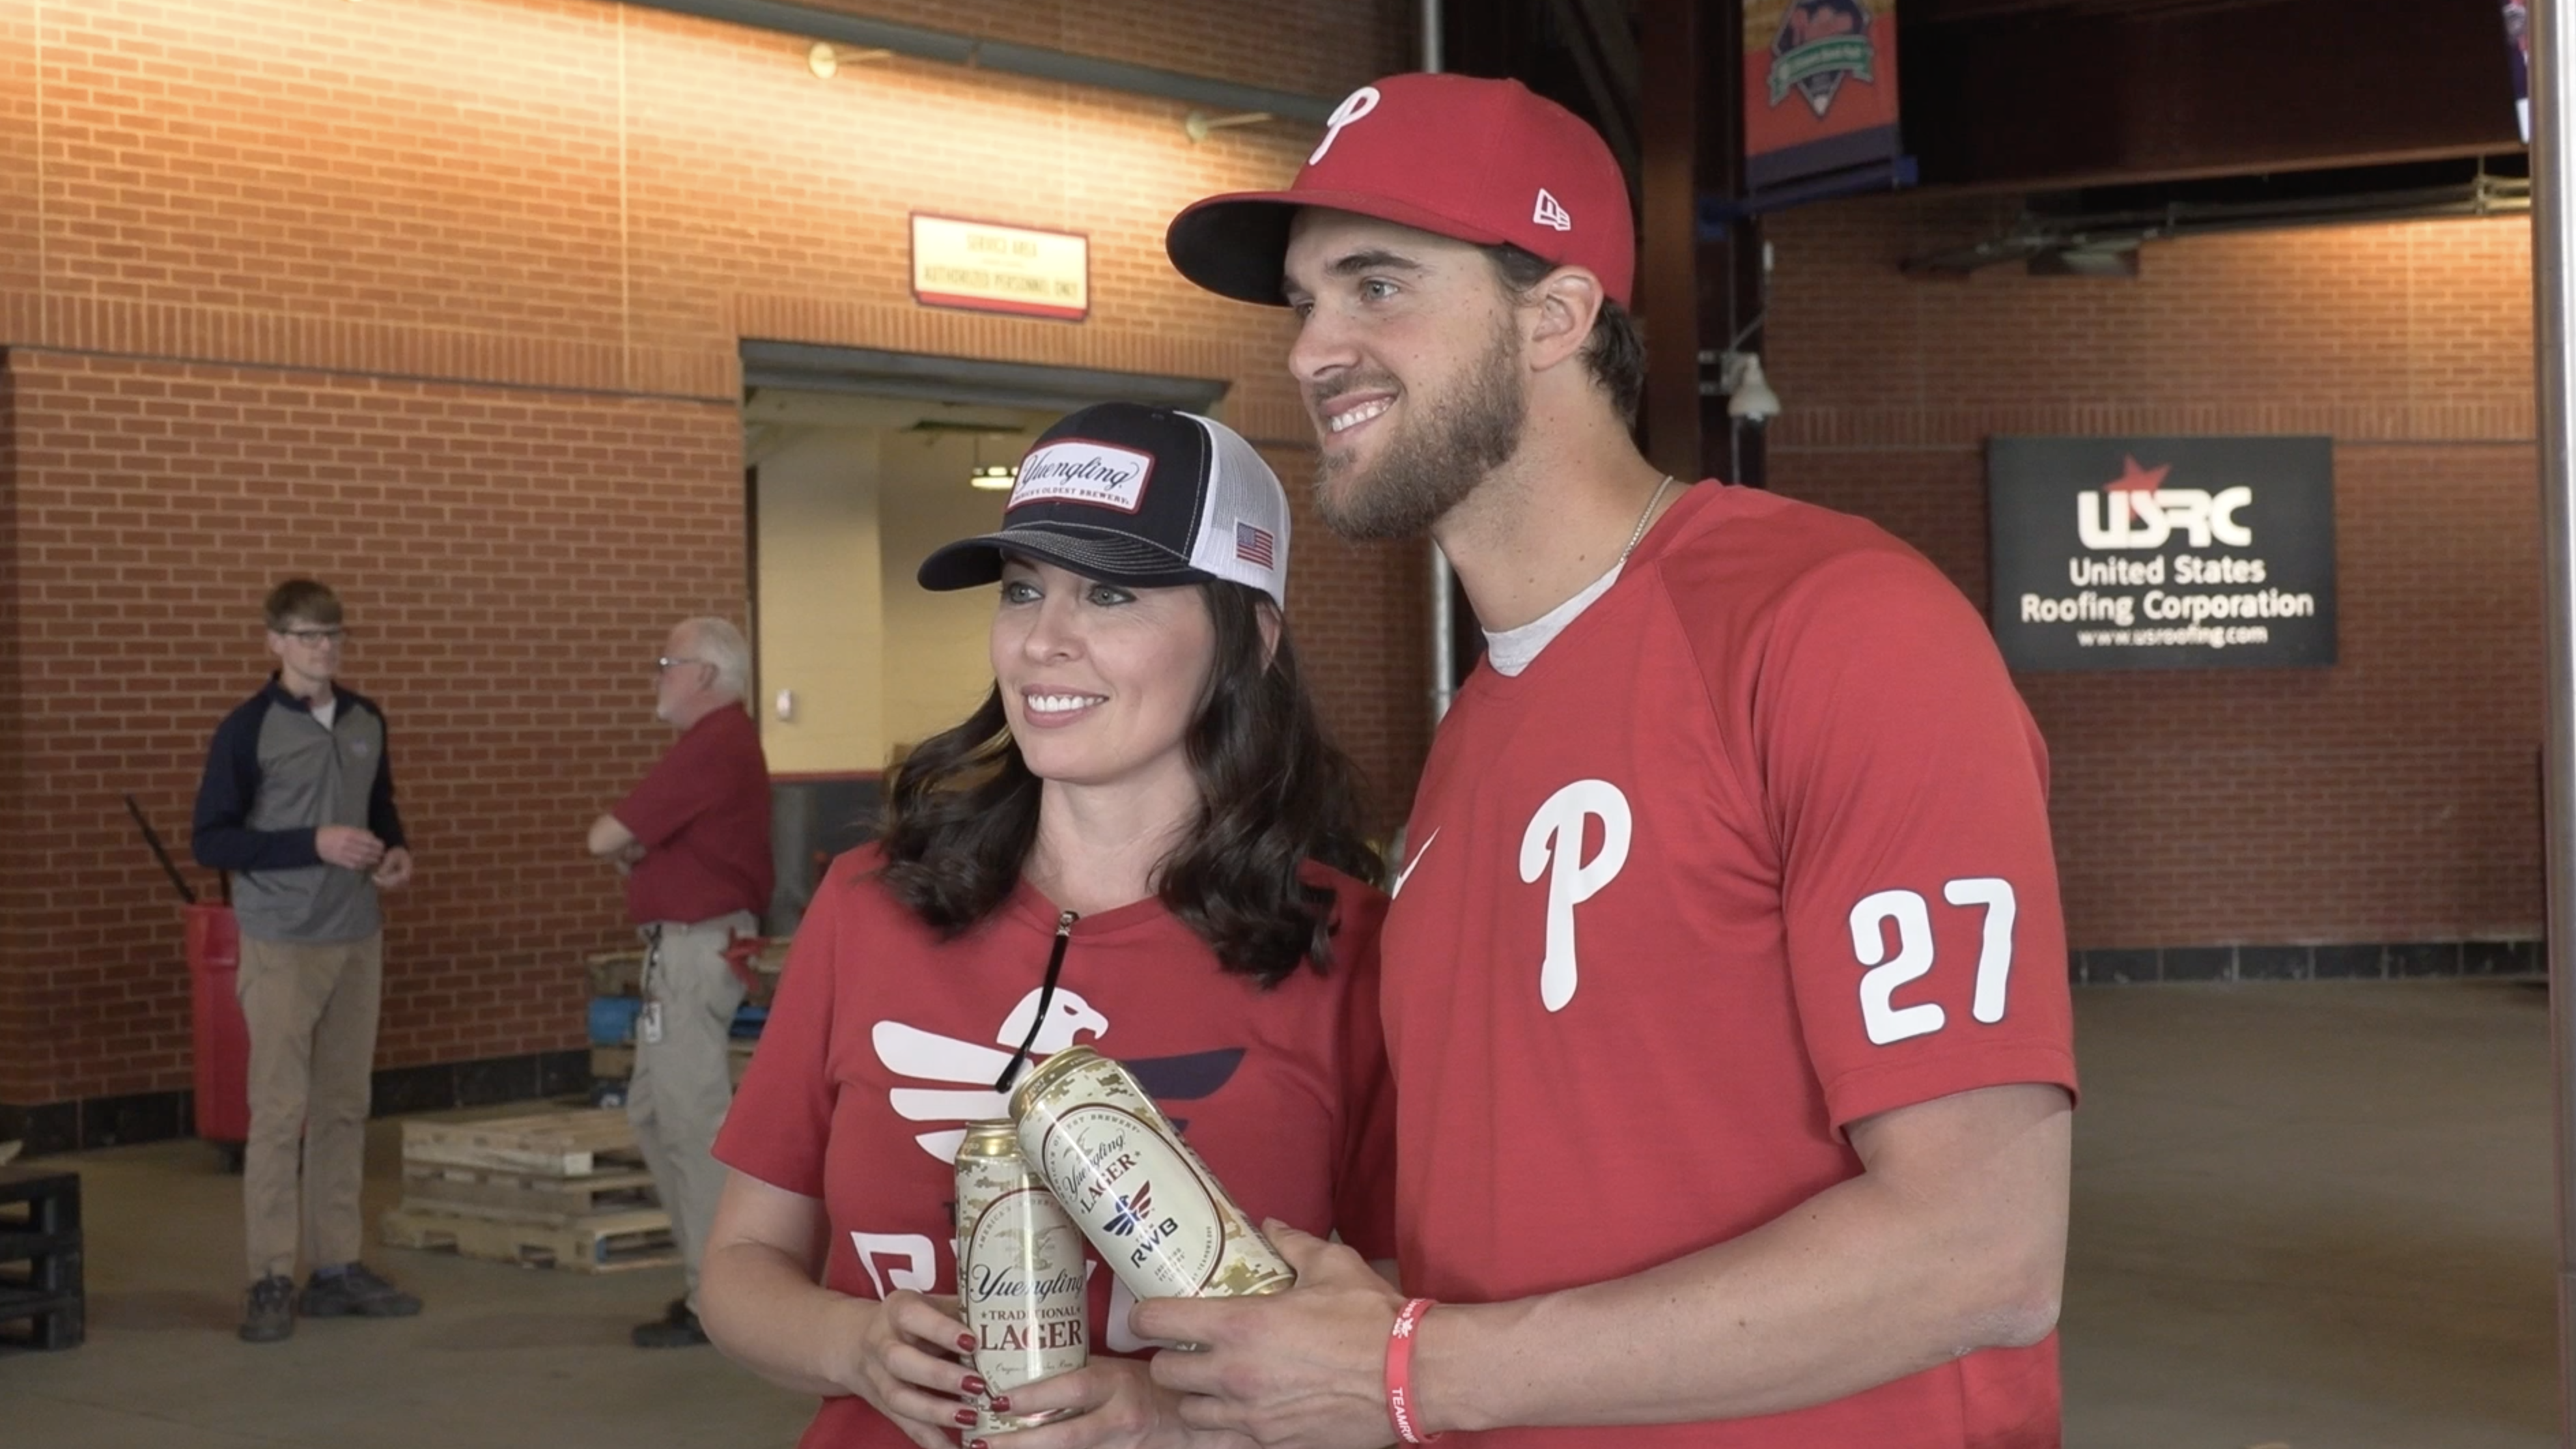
[(1135, 495), (1482, 161)]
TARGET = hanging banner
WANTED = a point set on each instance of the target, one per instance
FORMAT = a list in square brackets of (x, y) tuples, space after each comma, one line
[(2517, 40), (2162, 553), (1819, 88)]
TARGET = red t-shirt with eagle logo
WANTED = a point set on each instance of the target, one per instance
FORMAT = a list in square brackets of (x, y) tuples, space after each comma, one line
[(1755, 848), (884, 1040)]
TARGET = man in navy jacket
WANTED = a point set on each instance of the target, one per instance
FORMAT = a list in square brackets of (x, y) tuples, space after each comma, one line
[(298, 803)]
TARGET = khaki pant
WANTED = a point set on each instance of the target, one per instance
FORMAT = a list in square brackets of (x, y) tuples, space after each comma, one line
[(683, 1082), (311, 1010)]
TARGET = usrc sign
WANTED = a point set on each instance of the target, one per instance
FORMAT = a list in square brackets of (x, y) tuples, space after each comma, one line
[(985, 267), (2163, 553)]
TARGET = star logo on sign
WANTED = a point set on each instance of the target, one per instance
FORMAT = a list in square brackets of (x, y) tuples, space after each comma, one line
[(2135, 479)]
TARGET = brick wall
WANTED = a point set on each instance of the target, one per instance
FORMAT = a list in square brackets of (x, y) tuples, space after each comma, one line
[(441, 302), (2394, 796), (18, 887)]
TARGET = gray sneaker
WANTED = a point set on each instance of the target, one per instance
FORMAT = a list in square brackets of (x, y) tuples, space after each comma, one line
[(268, 1315), (351, 1290)]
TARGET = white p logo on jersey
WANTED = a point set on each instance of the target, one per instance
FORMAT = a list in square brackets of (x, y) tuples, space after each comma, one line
[(1355, 105), (1554, 844)]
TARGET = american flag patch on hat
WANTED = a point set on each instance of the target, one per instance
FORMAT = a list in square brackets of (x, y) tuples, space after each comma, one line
[(1255, 546)]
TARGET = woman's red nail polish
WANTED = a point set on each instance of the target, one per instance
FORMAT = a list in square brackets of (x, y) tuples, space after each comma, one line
[(966, 1418), (1001, 1403), (976, 1386), (966, 1341)]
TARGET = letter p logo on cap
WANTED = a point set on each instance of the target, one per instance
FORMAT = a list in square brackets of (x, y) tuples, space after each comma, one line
[(1354, 106)]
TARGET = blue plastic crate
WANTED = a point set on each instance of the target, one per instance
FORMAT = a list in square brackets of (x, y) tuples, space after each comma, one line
[(612, 1020)]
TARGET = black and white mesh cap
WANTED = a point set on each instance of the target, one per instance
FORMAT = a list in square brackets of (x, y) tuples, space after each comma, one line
[(1128, 494)]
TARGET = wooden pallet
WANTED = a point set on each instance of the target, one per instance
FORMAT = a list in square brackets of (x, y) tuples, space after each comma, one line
[(476, 1192), (617, 1063), (609, 1243), (571, 1143), (617, 973)]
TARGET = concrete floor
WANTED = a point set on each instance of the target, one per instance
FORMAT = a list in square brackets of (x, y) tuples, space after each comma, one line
[(2313, 1215), (500, 1358)]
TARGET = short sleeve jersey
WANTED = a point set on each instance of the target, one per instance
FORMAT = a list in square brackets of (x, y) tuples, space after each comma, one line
[(884, 1041), (702, 815), (1756, 848)]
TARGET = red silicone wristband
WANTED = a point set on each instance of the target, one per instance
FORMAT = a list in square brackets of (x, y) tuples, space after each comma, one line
[(1400, 1409)]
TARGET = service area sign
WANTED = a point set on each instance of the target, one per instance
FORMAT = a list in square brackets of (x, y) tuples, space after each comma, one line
[(983, 266), (2163, 553)]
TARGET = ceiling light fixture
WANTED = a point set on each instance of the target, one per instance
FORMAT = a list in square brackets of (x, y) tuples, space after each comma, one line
[(1200, 125), (825, 60), (992, 477)]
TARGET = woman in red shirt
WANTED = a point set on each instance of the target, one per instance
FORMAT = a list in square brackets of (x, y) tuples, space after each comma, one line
[(1142, 841)]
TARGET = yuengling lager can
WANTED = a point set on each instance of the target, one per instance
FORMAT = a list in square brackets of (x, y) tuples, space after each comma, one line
[(1019, 1273), (1154, 1212)]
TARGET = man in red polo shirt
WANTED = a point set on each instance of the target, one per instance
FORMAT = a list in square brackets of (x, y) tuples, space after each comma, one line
[(693, 843)]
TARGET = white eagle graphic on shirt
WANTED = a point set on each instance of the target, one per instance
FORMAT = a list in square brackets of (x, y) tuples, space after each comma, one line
[(967, 1070)]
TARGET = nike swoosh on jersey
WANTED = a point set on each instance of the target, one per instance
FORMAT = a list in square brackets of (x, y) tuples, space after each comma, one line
[(1407, 873)]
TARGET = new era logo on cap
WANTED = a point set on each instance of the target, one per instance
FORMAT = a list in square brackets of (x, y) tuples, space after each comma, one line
[(1480, 161)]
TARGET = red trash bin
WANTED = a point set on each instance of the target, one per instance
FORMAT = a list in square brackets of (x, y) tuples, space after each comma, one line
[(222, 1038)]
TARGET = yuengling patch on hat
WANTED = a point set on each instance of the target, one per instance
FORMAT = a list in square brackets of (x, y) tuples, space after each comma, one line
[(1135, 495)]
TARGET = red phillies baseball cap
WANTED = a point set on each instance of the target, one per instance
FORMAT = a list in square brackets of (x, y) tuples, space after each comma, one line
[(1482, 161)]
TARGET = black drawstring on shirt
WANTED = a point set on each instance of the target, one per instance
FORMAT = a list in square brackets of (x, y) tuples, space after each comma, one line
[(1046, 998)]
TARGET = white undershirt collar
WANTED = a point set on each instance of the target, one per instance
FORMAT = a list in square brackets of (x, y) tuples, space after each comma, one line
[(1511, 650)]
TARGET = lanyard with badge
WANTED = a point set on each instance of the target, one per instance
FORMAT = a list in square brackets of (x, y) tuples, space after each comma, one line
[(648, 1022)]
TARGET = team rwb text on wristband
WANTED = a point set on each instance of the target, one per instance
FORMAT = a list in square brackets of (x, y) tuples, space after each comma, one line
[(1399, 1372)]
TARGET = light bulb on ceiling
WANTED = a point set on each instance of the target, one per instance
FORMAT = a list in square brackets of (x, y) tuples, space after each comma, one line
[(1748, 395), (997, 477)]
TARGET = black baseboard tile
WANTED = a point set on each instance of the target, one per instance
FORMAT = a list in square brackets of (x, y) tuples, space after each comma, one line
[(2114, 967), (2199, 963), (399, 1091), (2424, 958), (54, 1127), (2499, 958), (143, 1117), (2275, 963), (563, 1073), (44, 1128), (2508, 959), (2349, 962)]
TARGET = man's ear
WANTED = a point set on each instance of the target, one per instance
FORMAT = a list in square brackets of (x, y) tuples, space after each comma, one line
[(1557, 316)]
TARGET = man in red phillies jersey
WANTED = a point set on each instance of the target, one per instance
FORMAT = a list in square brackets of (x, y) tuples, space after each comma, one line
[(1725, 985)]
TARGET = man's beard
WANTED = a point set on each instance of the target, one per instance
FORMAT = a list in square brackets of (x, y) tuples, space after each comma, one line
[(1430, 467)]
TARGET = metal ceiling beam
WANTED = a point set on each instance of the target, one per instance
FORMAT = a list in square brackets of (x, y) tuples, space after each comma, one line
[(976, 52)]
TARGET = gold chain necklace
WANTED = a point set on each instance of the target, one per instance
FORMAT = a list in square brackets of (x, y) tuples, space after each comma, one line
[(1635, 538)]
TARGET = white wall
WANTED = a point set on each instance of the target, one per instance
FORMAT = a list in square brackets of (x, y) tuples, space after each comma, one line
[(876, 662), (937, 666), (822, 624)]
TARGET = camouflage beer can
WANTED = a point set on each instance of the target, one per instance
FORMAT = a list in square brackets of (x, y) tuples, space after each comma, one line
[(1019, 1273), (1154, 1212)]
